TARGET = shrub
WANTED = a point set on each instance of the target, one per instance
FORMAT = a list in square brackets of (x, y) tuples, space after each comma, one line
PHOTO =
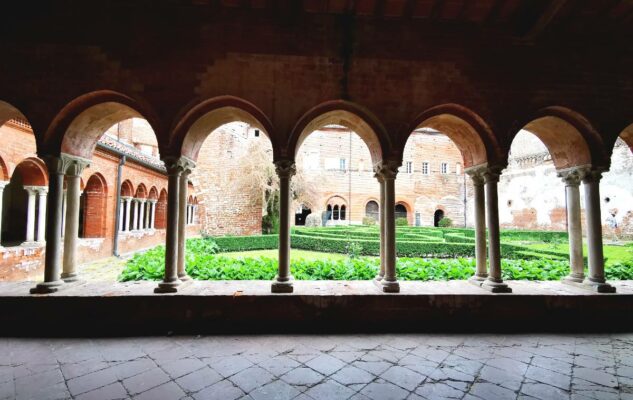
[(244, 243), (369, 221), (402, 221), (313, 220), (445, 222)]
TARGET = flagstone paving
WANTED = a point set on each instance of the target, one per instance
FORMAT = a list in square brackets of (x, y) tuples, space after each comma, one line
[(376, 367)]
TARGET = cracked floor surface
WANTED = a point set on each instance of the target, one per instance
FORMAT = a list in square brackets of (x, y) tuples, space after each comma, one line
[(402, 366)]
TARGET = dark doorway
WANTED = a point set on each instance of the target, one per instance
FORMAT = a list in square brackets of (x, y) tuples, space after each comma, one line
[(439, 214), (401, 211), (300, 217), (371, 209)]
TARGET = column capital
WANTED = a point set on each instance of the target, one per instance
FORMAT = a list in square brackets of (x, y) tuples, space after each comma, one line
[(179, 165), (477, 174), (153, 201), (574, 175), (386, 169), (593, 175), (36, 189), (285, 168), (74, 165), (141, 200)]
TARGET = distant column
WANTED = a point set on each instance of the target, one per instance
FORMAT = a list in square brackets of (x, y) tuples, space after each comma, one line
[(187, 167), (42, 192), (596, 279), (152, 221), (30, 214), (128, 206), (494, 283), (73, 172), (572, 177), (283, 282), (2, 185), (477, 176), (64, 213), (388, 169), (137, 204), (141, 214), (122, 215), (381, 221)]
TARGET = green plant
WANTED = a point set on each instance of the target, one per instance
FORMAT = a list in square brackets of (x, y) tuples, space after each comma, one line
[(402, 221), (354, 249), (369, 221), (270, 221), (445, 222)]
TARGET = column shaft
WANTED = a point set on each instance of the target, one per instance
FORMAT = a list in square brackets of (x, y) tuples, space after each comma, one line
[(574, 229), (182, 222), (387, 171), (283, 282), (2, 185), (121, 215), (73, 194), (30, 216), (41, 214), (494, 282), (141, 214), (381, 222), (128, 205), (137, 203)]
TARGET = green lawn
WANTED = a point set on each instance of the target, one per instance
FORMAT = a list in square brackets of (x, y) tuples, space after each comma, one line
[(612, 254), (294, 254)]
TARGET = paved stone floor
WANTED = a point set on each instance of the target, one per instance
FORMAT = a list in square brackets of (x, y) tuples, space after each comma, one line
[(376, 367)]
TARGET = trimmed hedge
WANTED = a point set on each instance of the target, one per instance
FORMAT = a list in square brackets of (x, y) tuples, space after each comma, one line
[(245, 243)]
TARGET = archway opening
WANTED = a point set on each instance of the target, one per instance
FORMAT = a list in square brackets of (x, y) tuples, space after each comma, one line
[(93, 211), (301, 214), (400, 211), (437, 217), (616, 191), (372, 210)]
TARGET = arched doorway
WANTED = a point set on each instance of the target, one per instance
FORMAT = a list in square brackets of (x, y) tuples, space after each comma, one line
[(437, 217), (92, 211), (401, 211), (371, 209), (301, 214)]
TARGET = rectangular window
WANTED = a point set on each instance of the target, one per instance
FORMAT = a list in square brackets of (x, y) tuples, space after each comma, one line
[(409, 166), (444, 168), (425, 168), (342, 164)]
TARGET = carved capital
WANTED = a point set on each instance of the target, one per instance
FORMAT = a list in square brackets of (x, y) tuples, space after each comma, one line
[(477, 174), (179, 165), (386, 169), (593, 175), (74, 165), (573, 176), (285, 168), (492, 174)]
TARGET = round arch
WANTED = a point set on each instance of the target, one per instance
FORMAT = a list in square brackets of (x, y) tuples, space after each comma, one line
[(141, 191), (201, 119), (332, 200), (76, 129), (93, 207), (569, 137), (4, 168), (127, 188), (372, 209), (470, 133), (33, 172), (153, 193), (347, 114)]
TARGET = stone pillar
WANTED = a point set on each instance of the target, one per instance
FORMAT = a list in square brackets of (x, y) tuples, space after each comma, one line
[(187, 167), (494, 283), (388, 169), (2, 185), (56, 169), (283, 282), (170, 281), (121, 215), (141, 214), (42, 193), (381, 221), (64, 212), (128, 206), (30, 214), (572, 177), (152, 219), (481, 271), (137, 205), (596, 279), (148, 214), (73, 194)]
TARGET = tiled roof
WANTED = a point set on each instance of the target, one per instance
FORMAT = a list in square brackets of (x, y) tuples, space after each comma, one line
[(131, 151)]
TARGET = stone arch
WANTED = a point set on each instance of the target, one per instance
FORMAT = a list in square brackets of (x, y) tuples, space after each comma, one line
[(372, 209), (199, 120), (141, 191), (127, 188), (161, 210), (33, 171), (569, 137), (347, 114), (470, 133), (153, 193), (76, 129), (336, 199), (93, 207)]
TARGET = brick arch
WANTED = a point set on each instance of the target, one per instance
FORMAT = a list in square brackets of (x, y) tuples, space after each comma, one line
[(569, 137), (127, 188), (153, 193), (161, 210), (350, 115), (141, 191), (94, 206), (204, 117), (33, 172), (9, 111), (627, 136), (190, 199), (78, 126), (470, 133), (4, 168), (336, 196)]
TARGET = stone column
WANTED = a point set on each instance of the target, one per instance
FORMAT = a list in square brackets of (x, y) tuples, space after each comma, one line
[(171, 282), (388, 169), (187, 167), (494, 283), (152, 219), (283, 282), (56, 169), (381, 221), (64, 213), (128, 206), (42, 193), (137, 204), (148, 214), (477, 176), (2, 185), (572, 177), (73, 193), (596, 279), (121, 215), (141, 214), (30, 215)]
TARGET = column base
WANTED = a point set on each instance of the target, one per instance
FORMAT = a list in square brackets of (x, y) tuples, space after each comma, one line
[(184, 277), (282, 286), (388, 286), (477, 280), (573, 279), (47, 287), (70, 277), (597, 286), (168, 287), (496, 286)]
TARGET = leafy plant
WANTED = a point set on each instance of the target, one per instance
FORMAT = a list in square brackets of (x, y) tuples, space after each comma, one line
[(402, 221), (445, 222)]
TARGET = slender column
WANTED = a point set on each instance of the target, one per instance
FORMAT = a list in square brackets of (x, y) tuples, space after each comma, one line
[(42, 193), (2, 185), (596, 279), (171, 282), (137, 204), (121, 215), (128, 206), (30, 214), (572, 177), (152, 220), (494, 283), (148, 214), (388, 169), (381, 221), (283, 282), (141, 217), (73, 194), (64, 212), (56, 169), (477, 176), (188, 165)]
